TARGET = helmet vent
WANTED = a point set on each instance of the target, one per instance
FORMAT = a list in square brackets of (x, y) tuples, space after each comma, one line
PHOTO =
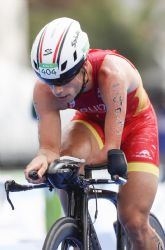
[(75, 55), (63, 66)]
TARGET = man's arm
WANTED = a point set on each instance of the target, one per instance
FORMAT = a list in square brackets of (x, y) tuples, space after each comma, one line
[(113, 85), (115, 115), (49, 130)]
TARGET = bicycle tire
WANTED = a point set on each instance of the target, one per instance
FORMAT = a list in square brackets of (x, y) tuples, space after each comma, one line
[(124, 242), (156, 225), (65, 232)]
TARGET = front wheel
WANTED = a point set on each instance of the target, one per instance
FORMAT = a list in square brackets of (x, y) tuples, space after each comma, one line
[(63, 235)]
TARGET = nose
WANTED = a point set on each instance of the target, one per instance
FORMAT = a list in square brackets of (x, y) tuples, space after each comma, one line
[(58, 90)]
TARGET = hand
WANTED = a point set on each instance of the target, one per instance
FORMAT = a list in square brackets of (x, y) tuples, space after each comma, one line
[(39, 164)]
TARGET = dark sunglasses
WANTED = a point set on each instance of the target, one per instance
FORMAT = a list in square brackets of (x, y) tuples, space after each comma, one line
[(60, 81)]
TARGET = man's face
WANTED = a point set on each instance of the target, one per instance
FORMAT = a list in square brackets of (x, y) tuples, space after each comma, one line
[(70, 90)]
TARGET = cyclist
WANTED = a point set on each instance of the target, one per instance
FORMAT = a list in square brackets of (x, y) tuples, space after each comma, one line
[(113, 111)]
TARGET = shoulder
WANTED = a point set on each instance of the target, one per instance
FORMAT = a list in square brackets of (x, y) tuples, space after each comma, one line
[(41, 87), (41, 91), (112, 68), (43, 98), (118, 69)]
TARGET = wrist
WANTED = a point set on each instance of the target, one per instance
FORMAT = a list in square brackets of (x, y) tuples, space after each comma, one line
[(110, 146), (49, 154)]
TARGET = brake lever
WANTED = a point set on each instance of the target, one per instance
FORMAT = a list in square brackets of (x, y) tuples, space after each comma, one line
[(8, 185), (12, 186)]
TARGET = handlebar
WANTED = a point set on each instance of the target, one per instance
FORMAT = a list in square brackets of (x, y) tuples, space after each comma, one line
[(63, 174), (33, 175), (116, 165), (12, 186)]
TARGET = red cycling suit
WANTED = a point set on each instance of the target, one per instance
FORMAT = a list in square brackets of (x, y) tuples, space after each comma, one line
[(140, 133)]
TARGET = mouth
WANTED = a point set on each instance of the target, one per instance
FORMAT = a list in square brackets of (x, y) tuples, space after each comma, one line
[(63, 97)]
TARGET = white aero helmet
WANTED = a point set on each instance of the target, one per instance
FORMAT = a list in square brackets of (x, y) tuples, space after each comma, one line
[(59, 50)]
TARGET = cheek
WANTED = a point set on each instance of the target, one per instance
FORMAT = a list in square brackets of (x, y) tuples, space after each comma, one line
[(72, 89), (77, 88), (52, 89), (79, 78)]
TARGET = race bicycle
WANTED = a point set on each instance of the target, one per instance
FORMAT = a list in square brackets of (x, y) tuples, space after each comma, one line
[(76, 230)]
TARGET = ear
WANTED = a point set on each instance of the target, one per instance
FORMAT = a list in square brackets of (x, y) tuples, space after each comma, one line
[(85, 63)]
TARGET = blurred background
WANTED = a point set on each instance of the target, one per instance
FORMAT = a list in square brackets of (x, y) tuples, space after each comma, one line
[(133, 27)]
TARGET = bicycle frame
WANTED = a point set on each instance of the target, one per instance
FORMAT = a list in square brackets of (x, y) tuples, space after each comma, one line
[(78, 203), (79, 193), (78, 209)]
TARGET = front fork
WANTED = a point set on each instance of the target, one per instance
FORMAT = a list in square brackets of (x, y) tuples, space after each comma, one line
[(78, 209), (85, 228)]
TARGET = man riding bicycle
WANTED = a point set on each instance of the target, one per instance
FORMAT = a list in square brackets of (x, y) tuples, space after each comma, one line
[(113, 111)]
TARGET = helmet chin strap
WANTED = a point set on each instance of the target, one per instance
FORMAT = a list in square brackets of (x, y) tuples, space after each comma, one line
[(85, 81)]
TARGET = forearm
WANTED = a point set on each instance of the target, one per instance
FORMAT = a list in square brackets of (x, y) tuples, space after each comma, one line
[(115, 116), (49, 131), (113, 132)]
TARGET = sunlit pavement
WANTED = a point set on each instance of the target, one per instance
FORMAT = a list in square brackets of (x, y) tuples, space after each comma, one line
[(24, 227), (24, 245)]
